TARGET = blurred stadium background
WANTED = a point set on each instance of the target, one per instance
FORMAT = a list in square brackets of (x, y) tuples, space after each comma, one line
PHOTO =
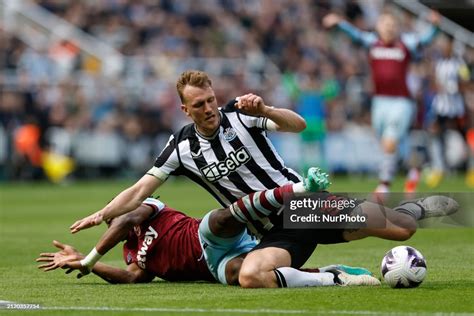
[(87, 91), (87, 88)]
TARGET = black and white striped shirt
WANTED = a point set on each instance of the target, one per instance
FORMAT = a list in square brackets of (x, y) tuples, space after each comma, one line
[(448, 101), (239, 159)]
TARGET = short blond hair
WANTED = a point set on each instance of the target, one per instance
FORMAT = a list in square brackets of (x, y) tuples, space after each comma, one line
[(195, 78)]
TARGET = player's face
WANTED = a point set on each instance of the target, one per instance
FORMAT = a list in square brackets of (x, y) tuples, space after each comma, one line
[(200, 105), (387, 28)]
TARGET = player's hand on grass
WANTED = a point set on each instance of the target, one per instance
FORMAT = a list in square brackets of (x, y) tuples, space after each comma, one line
[(67, 258), (251, 104), (89, 221), (60, 258)]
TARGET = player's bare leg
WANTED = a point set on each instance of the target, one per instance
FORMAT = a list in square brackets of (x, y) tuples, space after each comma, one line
[(270, 268)]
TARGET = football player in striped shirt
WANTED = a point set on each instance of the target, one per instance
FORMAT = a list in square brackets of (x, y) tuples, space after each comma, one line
[(451, 75), (225, 149)]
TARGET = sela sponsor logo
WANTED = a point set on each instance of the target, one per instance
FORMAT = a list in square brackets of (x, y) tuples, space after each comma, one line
[(394, 53), (229, 134), (150, 235), (215, 171)]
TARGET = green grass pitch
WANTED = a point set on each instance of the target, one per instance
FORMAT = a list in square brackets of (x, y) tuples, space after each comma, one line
[(32, 215)]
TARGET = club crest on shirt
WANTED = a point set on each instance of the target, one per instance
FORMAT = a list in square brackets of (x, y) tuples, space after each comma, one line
[(137, 229), (229, 134), (196, 154)]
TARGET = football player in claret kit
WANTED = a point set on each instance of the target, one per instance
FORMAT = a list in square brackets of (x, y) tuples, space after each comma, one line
[(165, 243), (393, 109), (159, 242)]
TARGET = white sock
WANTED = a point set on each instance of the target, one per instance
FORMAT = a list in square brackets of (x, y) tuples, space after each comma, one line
[(298, 188), (290, 277), (388, 167)]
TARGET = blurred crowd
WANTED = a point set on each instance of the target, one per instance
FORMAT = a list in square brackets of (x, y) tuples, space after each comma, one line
[(116, 126)]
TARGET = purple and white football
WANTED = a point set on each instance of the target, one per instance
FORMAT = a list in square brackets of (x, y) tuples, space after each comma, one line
[(403, 267)]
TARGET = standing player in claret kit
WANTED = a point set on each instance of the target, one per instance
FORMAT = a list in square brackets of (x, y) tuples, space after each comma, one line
[(393, 109)]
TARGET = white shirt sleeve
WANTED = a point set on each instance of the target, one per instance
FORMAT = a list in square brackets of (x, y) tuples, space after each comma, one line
[(167, 161)]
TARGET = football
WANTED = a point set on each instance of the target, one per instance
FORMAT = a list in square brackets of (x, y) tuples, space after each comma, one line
[(403, 267)]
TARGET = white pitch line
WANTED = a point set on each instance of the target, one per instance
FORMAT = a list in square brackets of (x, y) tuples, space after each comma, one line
[(231, 310), (180, 310), (248, 311)]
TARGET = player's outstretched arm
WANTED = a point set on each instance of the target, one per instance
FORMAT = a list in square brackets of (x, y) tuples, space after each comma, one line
[(128, 200), (70, 259), (117, 231), (429, 35), (332, 20), (357, 36), (284, 120), (114, 275)]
